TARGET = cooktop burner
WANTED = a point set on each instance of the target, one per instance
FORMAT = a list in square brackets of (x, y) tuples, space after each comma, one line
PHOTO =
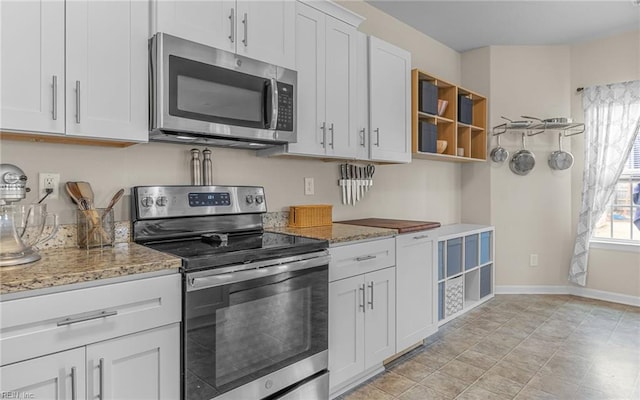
[(211, 250)]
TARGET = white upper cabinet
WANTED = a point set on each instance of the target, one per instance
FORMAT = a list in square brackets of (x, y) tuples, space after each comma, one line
[(107, 64), (32, 66), (326, 65), (263, 30), (362, 98), (93, 85), (389, 102)]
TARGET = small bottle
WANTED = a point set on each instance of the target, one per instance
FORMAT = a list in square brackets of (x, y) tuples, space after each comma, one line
[(207, 168), (196, 168)]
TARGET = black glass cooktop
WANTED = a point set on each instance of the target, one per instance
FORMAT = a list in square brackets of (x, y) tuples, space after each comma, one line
[(208, 251)]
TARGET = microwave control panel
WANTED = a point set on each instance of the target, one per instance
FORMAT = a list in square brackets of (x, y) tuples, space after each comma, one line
[(285, 107)]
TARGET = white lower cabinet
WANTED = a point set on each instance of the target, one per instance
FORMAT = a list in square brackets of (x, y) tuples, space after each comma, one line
[(117, 341), (145, 365), (416, 295), (57, 376), (362, 310)]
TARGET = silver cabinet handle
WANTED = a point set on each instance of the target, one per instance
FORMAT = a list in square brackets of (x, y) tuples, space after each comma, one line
[(77, 102), (54, 113), (232, 20), (331, 130), (420, 237), (101, 379), (371, 287), (362, 132), (73, 383), (363, 297), (245, 21), (377, 131), (101, 314), (365, 258), (324, 134)]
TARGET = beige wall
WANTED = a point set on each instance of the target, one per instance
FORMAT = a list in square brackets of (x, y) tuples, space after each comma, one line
[(610, 60), (536, 214), (422, 190), (532, 213)]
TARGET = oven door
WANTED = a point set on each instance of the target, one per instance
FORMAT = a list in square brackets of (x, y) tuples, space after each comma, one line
[(253, 333)]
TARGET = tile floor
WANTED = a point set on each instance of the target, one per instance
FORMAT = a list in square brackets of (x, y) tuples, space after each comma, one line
[(521, 347)]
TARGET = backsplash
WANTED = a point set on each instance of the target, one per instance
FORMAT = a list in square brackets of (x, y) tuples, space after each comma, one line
[(67, 235)]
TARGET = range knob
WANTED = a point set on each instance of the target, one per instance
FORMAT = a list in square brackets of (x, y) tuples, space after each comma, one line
[(259, 199), (147, 202), (161, 201), (249, 199)]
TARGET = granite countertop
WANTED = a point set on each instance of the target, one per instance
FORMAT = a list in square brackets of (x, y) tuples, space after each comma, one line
[(338, 233), (63, 266)]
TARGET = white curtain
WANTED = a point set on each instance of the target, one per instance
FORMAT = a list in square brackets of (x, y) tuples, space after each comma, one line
[(612, 122)]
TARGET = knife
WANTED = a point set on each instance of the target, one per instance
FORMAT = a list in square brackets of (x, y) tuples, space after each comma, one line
[(348, 184), (362, 181), (343, 177), (357, 173), (354, 187)]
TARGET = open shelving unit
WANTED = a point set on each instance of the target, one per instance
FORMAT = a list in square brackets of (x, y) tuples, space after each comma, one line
[(465, 268), (471, 137)]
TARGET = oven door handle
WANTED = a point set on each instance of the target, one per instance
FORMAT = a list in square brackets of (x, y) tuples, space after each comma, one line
[(213, 280), (274, 103)]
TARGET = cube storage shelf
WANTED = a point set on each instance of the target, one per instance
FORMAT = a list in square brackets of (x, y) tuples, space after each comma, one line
[(470, 137), (465, 268)]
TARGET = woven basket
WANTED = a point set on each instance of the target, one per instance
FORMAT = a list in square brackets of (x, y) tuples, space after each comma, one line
[(310, 215)]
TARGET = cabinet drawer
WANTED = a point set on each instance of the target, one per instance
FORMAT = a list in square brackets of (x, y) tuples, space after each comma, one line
[(46, 324), (360, 258)]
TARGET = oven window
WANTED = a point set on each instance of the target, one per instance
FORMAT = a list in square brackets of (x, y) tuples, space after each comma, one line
[(239, 332), (209, 93)]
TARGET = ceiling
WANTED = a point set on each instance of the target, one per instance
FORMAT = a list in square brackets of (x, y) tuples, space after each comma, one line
[(466, 25)]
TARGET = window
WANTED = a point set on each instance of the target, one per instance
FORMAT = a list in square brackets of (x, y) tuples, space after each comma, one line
[(616, 224)]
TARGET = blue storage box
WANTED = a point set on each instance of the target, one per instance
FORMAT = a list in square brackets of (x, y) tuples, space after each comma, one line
[(428, 98), (428, 137), (465, 109)]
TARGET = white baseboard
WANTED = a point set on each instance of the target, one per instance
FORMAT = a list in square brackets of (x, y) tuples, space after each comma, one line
[(532, 289), (574, 290)]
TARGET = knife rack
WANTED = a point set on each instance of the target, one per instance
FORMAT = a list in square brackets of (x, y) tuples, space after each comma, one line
[(355, 182)]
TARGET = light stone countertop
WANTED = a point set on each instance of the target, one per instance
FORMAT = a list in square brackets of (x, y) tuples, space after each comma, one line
[(64, 266), (338, 233)]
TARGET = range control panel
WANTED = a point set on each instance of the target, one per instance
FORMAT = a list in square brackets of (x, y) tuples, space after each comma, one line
[(152, 202)]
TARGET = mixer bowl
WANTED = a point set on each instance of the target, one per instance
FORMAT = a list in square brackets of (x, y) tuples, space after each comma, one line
[(21, 228)]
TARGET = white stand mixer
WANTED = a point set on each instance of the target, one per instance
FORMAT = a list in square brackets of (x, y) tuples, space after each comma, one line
[(21, 226)]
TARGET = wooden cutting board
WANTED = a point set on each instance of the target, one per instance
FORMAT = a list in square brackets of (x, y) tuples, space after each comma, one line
[(402, 225)]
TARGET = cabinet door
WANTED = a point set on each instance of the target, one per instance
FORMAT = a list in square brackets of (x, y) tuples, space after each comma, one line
[(212, 23), (380, 316), (144, 365), (340, 88), (310, 64), (362, 96), (415, 284), (107, 64), (32, 55), (57, 376), (389, 101), (346, 329), (265, 30)]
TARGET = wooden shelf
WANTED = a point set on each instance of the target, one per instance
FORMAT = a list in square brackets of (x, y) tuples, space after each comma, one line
[(470, 137)]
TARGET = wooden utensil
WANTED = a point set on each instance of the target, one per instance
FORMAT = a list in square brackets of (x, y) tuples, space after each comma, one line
[(116, 197)]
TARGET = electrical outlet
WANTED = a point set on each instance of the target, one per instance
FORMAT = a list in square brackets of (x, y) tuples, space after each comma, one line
[(309, 188), (48, 180), (533, 260)]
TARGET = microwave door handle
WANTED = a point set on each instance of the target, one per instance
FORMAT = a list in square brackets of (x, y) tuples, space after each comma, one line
[(274, 104)]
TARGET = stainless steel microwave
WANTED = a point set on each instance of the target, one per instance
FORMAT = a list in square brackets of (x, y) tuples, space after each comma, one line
[(200, 94)]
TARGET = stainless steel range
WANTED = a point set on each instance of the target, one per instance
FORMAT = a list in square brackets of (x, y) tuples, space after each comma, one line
[(255, 303)]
